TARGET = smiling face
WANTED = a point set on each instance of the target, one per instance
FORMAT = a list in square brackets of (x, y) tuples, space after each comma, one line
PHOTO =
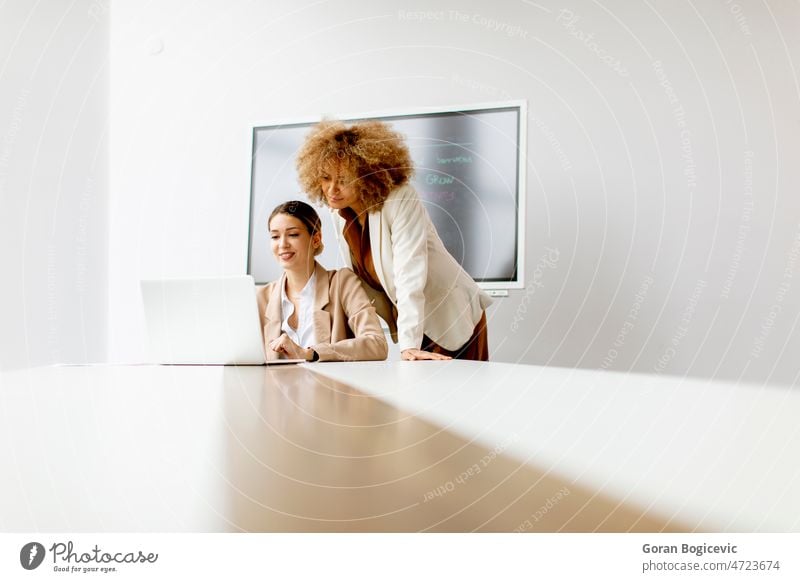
[(339, 189), (292, 245)]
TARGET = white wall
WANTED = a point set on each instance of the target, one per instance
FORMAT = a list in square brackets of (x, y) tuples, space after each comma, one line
[(53, 182), (662, 166)]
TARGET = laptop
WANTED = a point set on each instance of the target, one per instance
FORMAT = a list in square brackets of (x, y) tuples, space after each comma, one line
[(208, 321)]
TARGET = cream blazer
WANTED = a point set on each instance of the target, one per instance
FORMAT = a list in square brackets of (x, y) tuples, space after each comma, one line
[(429, 290), (345, 325)]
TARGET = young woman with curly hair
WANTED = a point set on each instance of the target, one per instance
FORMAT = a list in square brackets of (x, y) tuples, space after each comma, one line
[(433, 307)]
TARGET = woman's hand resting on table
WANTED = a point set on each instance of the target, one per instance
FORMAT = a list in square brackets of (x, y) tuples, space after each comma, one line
[(414, 354), (284, 345)]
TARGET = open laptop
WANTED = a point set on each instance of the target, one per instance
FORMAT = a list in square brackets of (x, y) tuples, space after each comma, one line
[(210, 320)]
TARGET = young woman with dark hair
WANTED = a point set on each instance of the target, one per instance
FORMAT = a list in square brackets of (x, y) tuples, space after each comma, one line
[(311, 313)]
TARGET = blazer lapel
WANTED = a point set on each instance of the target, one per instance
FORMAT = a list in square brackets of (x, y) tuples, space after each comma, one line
[(344, 249), (322, 319)]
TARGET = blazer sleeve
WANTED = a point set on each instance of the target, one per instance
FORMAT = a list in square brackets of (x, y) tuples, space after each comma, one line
[(369, 342), (409, 240), (262, 299)]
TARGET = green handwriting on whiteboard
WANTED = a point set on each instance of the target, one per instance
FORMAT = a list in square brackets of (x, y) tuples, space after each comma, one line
[(437, 179), (455, 160)]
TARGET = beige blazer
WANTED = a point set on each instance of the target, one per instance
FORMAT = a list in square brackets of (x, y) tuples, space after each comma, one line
[(345, 325), (430, 292)]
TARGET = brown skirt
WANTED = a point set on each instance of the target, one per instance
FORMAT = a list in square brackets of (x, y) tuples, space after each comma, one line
[(476, 348)]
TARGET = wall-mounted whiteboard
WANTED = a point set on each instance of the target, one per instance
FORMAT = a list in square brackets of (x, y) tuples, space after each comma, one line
[(469, 172)]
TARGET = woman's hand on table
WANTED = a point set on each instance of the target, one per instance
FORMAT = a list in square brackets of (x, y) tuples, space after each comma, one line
[(415, 354), (284, 345)]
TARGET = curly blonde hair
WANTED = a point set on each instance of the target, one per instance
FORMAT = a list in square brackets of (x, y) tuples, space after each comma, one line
[(369, 152)]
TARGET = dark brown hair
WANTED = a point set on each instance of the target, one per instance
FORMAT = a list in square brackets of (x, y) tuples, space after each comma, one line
[(303, 212)]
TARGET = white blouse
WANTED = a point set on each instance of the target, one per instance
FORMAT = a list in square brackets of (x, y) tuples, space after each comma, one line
[(303, 336)]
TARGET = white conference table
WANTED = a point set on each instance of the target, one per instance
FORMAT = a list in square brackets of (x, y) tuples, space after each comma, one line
[(393, 446)]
